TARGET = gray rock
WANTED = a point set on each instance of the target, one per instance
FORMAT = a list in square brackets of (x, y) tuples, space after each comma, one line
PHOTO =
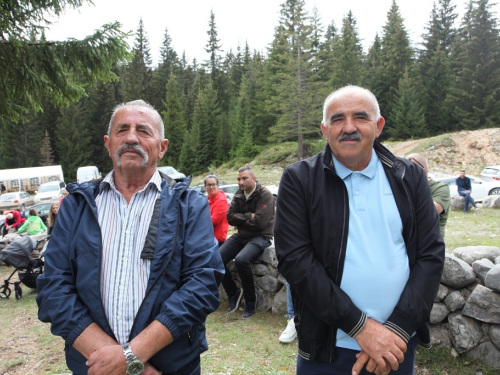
[(268, 283), (487, 353), (438, 313), (494, 333), (457, 203), (483, 305), (497, 260), (465, 332), (481, 267), (472, 286), (456, 272), (491, 201), (442, 293), (486, 332), (440, 337), (279, 302), (470, 254), (259, 269), (264, 299), (492, 279), (455, 301), (465, 292), (269, 257)]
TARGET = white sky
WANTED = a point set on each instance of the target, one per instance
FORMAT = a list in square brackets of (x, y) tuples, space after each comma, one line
[(237, 21)]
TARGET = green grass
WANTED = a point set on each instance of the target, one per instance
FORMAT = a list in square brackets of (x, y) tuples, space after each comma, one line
[(236, 346)]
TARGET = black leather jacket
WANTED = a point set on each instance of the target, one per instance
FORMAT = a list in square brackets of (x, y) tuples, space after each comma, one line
[(311, 230)]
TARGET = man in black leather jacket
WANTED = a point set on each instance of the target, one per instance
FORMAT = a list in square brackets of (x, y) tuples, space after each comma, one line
[(325, 238)]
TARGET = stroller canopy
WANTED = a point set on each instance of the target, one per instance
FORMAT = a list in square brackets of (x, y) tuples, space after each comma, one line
[(18, 253)]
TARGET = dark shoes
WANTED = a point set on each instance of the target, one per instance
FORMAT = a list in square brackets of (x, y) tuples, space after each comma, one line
[(234, 301), (249, 309)]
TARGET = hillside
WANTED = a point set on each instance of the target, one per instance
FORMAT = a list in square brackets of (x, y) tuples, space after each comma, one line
[(448, 153)]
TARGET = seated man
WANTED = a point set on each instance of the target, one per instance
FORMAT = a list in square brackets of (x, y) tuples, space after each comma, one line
[(464, 189), (252, 213), (13, 221)]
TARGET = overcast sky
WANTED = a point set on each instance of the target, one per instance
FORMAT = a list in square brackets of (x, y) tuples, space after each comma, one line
[(237, 21)]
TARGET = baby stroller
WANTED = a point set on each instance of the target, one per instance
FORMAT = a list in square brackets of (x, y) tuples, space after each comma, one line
[(28, 263)]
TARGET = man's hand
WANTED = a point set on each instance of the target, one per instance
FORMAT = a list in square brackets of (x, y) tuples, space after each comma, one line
[(8, 227), (382, 349), (108, 360)]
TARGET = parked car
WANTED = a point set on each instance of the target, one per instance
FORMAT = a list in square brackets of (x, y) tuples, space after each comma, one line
[(491, 173), (43, 210), (172, 172), (273, 189), (50, 191), (15, 201), (229, 188), (480, 188)]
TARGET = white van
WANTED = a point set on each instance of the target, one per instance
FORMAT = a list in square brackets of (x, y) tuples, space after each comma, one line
[(87, 173), (50, 191)]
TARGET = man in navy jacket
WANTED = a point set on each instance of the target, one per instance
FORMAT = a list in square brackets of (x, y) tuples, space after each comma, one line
[(132, 269)]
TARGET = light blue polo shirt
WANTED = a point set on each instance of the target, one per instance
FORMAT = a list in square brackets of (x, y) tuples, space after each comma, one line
[(376, 267)]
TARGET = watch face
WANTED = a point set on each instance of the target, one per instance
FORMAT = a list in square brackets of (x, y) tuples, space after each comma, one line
[(135, 368)]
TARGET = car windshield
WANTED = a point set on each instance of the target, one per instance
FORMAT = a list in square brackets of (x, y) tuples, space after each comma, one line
[(7, 197), (490, 171), (167, 170), (46, 188)]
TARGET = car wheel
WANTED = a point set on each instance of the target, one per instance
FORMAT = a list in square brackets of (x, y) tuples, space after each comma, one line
[(495, 191)]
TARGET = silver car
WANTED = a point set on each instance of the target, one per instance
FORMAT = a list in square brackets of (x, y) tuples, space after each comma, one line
[(15, 201), (491, 173), (480, 188)]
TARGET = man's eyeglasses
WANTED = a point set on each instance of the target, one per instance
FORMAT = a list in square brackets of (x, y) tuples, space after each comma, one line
[(211, 185)]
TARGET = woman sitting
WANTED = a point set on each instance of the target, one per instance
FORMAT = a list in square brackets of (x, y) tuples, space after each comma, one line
[(33, 225), (51, 219)]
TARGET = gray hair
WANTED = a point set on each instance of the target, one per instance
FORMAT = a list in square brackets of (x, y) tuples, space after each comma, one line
[(343, 90), (139, 104), (211, 175)]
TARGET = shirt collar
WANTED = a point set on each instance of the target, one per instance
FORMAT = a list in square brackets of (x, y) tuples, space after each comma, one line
[(343, 172), (109, 181)]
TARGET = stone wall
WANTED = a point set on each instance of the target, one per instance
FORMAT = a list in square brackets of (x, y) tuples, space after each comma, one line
[(466, 313)]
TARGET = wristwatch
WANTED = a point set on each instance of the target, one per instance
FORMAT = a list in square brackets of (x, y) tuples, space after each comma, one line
[(134, 365)]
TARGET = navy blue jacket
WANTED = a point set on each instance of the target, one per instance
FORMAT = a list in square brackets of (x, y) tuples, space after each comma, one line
[(182, 289), (463, 184), (310, 237)]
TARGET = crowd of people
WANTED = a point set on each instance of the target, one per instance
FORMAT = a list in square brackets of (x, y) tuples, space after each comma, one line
[(137, 258)]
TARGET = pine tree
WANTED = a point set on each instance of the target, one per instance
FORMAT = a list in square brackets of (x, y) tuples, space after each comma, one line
[(475, 94), (137, 75), (348, 52), (174, 118), (33, 69), (396, 56), (408, 120), (373, 79), (72, 141), (47, 156)]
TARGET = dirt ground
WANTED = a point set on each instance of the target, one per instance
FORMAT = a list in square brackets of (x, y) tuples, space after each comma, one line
[(469, 150)]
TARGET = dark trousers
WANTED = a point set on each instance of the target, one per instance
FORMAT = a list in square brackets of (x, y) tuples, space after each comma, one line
[(345, 359), (243, 251)]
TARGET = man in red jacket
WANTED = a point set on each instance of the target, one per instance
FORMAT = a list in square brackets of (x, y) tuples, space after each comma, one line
[(13, 220), (217, 201)]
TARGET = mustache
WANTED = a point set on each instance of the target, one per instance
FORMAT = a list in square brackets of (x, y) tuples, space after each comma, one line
[(350, 137), (133, 147)]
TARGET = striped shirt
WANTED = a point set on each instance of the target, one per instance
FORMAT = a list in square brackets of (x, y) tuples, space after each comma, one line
[(124, 275)]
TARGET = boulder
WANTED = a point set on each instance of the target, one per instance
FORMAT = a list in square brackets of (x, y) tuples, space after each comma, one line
[(280, 302), (481, 267), (470, 254), (263, 270), (454, 301), (466, 333), (483, 305), (492, 279), (491, 201), (487, 353), (456, 272), (438, 313), (494, 333), (497, 260), (269, 257), (268, 283), (442, 293), (457, 203), (440, 336)]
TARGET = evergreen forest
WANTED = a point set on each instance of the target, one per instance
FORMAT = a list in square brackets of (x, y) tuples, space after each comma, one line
[(237, 102)]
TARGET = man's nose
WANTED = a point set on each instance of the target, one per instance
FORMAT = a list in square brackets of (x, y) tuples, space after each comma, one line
[(131, 137), (350, 125)]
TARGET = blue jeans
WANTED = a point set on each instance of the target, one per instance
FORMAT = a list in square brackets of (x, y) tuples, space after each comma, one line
[(244, 251), (345, 359), (468, 199), (289, 302)]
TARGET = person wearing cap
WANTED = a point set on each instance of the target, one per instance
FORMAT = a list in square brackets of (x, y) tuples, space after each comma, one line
[(13, 220), (440, 191)]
